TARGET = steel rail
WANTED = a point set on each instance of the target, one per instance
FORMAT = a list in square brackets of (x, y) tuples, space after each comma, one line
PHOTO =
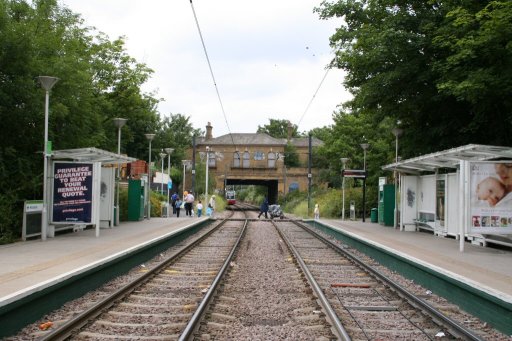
[(333, 317), (68, 328), (196, 318), (453, 326)]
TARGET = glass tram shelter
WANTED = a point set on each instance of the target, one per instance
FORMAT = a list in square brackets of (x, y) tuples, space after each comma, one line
[(81, 190), (464, 192)]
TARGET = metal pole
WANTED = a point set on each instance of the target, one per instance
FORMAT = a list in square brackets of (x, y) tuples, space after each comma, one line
[(343, 161), (118, 173), (47, 82), (365, 147), (396, 184), (169, 151), (44, 215), (184, 175), (149, 182), (309, 176), (193, 184), (206, 183)]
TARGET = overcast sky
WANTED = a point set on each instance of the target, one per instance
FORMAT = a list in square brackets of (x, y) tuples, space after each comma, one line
[(268, 58)]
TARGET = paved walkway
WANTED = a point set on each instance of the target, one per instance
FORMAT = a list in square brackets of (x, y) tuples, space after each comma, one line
[(485, 268), (31, 265)]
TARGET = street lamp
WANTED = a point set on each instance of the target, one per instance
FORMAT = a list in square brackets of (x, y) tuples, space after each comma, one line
[(162, 157), (119, 123), (397, 132), (168, 151), (365, 146), (186, 163), (150, 138), (47, 82), (344, 161), (206, 182)]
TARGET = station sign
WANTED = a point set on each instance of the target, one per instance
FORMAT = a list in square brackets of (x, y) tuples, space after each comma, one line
[(354, 173)]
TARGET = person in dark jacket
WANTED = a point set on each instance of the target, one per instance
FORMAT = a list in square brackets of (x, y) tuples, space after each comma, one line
[(264, 208)]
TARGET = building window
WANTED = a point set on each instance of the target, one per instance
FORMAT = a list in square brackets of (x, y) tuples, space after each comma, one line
[(258, 156), (271, 157), (247, 159), (236, 159), (212, 160)]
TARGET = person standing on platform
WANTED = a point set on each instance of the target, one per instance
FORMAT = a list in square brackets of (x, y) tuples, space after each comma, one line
[(177, 206), (211, 204), (209, 210), (199, 209), (189, 202), (264, 208), (173, 202), (317, 212)]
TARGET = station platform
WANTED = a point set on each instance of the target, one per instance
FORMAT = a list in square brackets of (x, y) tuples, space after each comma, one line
[(484, 268), (30, 266), (33, 265)]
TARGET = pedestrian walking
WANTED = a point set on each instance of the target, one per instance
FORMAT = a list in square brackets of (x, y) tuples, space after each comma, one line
[(264, 208), (178, 205), (199, 209), (173, 202), (317, 212)]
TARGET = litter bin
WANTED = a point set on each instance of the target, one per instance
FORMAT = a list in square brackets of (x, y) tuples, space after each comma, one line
[(373, 215)]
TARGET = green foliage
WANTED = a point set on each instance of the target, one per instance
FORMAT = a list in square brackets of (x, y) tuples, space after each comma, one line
[(278, 129), (98, 81), (291, 157)]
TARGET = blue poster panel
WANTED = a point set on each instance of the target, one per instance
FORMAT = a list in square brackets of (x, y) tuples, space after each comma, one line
[(72, 192), (491, 197)]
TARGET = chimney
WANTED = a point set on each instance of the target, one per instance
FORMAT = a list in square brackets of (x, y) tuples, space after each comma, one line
[(290, 131), (209, 131)]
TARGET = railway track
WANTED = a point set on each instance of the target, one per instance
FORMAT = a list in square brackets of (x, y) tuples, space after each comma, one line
[(158, 304), (371, 306), (260, 279)]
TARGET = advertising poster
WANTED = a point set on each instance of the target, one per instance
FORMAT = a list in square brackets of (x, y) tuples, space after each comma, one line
[(72, 192), (440, 201), (491, 197)]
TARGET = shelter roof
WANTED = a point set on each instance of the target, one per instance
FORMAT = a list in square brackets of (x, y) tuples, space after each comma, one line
[(91, 155), (450, 158)]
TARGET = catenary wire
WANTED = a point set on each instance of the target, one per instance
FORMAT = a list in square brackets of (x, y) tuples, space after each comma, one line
[(314, 95), (211, 72)]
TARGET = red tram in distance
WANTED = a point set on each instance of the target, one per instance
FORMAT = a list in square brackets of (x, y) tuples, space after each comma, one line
[(231, 197)]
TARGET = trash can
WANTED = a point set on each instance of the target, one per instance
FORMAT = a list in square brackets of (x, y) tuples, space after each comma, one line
[(373, 215)]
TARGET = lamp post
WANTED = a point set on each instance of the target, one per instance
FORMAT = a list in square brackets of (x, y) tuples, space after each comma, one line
[(162, 157), (344, 161), (119, 123), (150, 138), (397, 132), (206, 181), (186, 163), (365, 146), (47, 82), (168, 151)]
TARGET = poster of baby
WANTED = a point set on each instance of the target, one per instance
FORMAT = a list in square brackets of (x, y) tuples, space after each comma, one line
[(491, 196)]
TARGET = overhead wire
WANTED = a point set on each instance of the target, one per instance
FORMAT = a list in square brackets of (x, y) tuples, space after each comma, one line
[(211, 73), (314, 96)]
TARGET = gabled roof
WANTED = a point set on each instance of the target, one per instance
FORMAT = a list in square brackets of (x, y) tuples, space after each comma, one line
[(256, 139), (90, 155), (450, 158)]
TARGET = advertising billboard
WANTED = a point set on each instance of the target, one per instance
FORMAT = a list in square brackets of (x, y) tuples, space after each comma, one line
[(72, 192), (491, 197)]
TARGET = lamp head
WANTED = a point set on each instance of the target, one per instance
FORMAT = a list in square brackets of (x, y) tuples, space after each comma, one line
[(397, 131), (169, 150), (150, 137), (119, 122), (162, 155), (365, 146), (47, 82)]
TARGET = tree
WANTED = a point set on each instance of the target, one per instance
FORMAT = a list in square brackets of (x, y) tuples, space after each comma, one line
[(98, 81), (409, 61), (278, 129)]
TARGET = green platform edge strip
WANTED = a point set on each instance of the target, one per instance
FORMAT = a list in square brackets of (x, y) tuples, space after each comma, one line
[(16, 315), (488, 308)]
